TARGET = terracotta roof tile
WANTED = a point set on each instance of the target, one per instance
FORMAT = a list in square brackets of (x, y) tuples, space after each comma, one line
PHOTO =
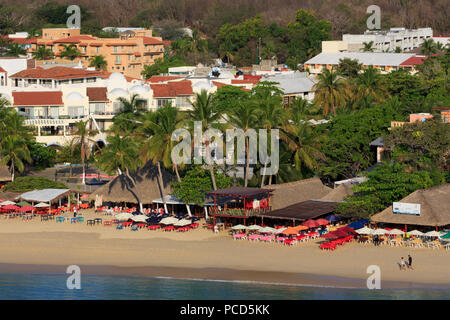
[(97, 94), (38, 98), (172, 89), (149, 40), (155, 79), (56, 73), (74, 39), (413, 61)]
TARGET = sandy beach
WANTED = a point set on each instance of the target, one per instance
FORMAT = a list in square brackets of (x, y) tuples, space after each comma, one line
[(35, 246)]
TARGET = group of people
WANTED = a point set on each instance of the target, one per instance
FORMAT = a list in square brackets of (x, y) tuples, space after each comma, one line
[(404, 265)]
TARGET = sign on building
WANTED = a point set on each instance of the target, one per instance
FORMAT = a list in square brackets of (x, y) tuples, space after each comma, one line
[(406, 208)]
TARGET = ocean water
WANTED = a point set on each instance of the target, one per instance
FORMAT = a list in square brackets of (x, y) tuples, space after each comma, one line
[(93, 287)]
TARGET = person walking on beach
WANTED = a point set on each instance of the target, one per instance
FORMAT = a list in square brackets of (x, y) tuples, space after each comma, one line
[(402, 264), (410, 262), (74, 211)]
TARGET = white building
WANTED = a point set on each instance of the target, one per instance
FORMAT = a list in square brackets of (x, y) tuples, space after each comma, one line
[(389, 40)]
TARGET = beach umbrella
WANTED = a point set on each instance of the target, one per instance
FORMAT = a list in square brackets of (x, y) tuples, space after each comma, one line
[(124, 216), (415, 233), (239, 227), (290, 231), (182, 223), (328, 235), (356, 225), (169, 220), (446, 236), (254, 227), (311, 224), (26, 209), (322, 222), (139, 218), (6, 203), (364, 230), (23, 204), (395, 232), (11, 207), (267, 230), (278, 231), (433, 234), (333, 218), (41, 205), (301, 228), (379, 231)]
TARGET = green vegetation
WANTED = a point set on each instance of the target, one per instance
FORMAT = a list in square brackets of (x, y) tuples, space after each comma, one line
[(24, 184)]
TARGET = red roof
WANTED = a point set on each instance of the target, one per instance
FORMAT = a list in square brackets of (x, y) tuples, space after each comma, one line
[(120, 44), (2, 70), (38, 98), (97, 94), (74, 39), (254, 81), (149, 40), (221, 84), (56, 73), (155, 79), (250, 77), (172, 89), (167, 43), (413, 61), (23, 40)]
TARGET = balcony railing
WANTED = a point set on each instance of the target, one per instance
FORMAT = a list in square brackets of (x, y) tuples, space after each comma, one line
[(239, 212)]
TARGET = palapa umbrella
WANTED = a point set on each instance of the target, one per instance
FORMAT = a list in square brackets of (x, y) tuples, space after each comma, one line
[(169, 220), (433, 234), (365, 230), (311, 224), (379, 232), (395, 232), (239, 227), (290, 231), (322, 222), (7, 202), (415, 233), (182, 223), (42, 205), (139, 218)]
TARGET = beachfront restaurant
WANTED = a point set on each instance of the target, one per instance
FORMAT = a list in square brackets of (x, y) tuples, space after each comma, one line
[(50, 196), (239, 203)]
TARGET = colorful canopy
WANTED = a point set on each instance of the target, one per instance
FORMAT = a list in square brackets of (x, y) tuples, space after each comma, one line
[(301, 228), (446, 236), (311, 224), (23, 204), (26, 209), (322, 222), (10, 207), (290, 231), (356, 225)]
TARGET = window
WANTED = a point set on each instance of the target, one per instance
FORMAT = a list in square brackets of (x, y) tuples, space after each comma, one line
[(91, 79), (77, 80), (96, 49), (117, 59), (97, 108), (116, 49), (117, 106), (75, 112), (162, 102)]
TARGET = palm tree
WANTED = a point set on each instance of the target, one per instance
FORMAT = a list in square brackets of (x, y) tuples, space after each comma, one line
[(331, 91), (162, 123), (370, 83), (84, 139), (14, 151), (43, 53), (16, 50), (13, 124), (368, 46), (204, 111), (245, 117), (133, 105), (271, 114), (70, 51), (98, 62), (428, 47), (302, 139)]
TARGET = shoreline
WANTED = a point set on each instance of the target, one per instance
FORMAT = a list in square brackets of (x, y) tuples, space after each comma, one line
[(36, 246), (219, 275)]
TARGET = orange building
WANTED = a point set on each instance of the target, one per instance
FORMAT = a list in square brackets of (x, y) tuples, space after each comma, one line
[(127, 54)]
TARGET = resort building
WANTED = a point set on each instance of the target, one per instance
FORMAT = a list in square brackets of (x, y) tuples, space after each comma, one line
[(294, 85), (388, 40), (127, 54), (385, 62)]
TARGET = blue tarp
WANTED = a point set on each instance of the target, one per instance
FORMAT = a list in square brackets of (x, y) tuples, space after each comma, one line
[(356, 225), (333, 218)]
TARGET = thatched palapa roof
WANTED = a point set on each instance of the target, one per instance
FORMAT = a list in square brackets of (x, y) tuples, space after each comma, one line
[(286, 194), (5, 176), (143, 187), (339, 193), (434, 208)]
